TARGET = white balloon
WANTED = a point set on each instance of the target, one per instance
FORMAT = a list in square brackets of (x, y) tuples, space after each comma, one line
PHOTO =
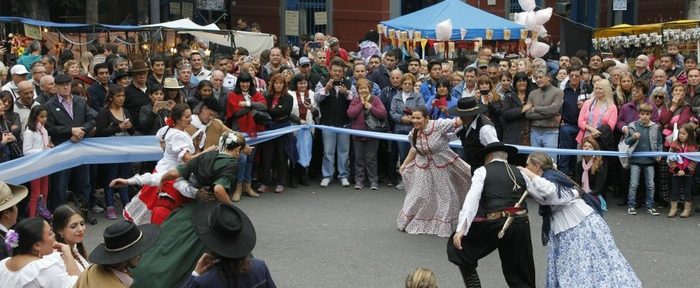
[(538, 49), (520, 18), (527, 5), (543, 15), (443, 30)]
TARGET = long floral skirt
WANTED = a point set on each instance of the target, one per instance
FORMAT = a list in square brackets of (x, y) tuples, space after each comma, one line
[(586, 256), (434, 197)]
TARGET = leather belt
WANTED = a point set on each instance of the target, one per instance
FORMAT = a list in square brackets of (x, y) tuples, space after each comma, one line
[(505, 213)]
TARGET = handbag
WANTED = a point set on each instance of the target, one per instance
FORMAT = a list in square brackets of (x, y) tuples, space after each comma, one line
[(374, 124), (261, 117), (627, 149)]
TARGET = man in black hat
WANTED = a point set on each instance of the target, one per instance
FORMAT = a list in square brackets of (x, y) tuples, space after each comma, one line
[(124, 242), (69, 118), (135, 93), (230, 236), (477, 129), (495, 190)]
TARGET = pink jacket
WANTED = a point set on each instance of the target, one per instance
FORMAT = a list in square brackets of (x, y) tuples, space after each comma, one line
[(609, 118), (357, 115)]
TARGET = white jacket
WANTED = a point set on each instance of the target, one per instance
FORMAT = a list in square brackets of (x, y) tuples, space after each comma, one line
[(32, 142)]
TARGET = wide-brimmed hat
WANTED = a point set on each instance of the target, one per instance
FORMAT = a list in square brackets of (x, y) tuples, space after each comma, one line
[(10, 195), (493, 147), (124, 240), (212, 104), (467, 106), (139, 66), (121, 74), (171, 83), (224, 229)]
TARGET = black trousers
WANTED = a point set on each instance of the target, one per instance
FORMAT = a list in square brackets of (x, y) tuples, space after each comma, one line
[(273, 164), (514, 249)]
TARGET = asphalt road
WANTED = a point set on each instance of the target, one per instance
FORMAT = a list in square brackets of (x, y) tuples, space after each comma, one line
[(340, 237)]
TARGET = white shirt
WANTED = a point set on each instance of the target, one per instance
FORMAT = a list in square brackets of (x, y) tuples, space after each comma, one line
[(471, 202), (32, 142), (202, 75), (487, 133), (10, 86), (567, 211), (177, 143), (46, 272), (469, 93), (230, 81)]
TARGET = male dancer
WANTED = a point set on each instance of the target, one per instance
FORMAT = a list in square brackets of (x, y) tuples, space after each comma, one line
[(496, 188)]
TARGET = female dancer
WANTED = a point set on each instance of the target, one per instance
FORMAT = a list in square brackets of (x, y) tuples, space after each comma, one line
[(148, 206), (435, 178), (580, 243)]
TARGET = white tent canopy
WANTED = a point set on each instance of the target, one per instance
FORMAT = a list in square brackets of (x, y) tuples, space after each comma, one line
[(254, 42)]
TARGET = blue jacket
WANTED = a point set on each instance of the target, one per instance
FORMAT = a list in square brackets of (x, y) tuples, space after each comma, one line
[(258, 276), (399, 109), (435, 112)]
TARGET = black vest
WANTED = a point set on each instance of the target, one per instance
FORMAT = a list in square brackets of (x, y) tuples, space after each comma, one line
[(498, 190), (471, 143)]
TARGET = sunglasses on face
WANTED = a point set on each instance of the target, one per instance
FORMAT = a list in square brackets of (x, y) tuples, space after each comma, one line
[(658, 96)]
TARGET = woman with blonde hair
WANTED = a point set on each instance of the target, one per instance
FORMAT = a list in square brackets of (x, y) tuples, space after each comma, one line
[(492, 100), (623, 92), (421, 278), (72, 68), (598, 111)]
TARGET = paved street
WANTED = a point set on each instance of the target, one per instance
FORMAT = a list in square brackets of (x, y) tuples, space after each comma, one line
[(339, 237)]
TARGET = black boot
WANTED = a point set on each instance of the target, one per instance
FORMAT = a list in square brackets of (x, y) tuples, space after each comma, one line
[(291, 178), (470, 277), (88, 216), (303, 175)]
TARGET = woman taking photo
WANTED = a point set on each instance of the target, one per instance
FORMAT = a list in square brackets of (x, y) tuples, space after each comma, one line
[(69, 226), (304, 111), (31, 240), (273, 166), (153, 114), (580, 243), (598, 111), (114, 120), (360, 108), (10, 147), (492, 100), (243, 103), (443, 100)]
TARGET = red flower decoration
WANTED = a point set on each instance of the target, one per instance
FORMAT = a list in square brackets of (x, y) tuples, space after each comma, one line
[(169, 121)]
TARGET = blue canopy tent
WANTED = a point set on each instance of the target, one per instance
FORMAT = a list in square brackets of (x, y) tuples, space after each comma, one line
[(463, 15)]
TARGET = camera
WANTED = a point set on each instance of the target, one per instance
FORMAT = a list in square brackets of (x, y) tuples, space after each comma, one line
[(337, 82)]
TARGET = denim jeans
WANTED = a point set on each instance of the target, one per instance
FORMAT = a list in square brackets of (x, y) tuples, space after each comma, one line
[(245, 167), (567, 140), (79, 177), (546, 138), (332, 143), (113, 171), (635, 170)]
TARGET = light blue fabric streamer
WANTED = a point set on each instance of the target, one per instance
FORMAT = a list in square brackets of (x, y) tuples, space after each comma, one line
[(304, 146), (125, 149)]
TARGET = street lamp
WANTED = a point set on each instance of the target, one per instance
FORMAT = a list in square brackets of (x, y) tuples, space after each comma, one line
[(173, 50)]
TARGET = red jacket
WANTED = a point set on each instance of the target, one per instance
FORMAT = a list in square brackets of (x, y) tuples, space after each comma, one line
[(245, 122), (688, 166)]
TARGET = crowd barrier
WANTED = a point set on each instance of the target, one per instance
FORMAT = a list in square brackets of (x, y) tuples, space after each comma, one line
[(146, 148)]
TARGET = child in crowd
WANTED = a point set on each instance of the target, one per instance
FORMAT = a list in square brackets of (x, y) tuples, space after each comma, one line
[(421, 278), (678, 59), (36, 139), (645, 136), (682, 170)]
